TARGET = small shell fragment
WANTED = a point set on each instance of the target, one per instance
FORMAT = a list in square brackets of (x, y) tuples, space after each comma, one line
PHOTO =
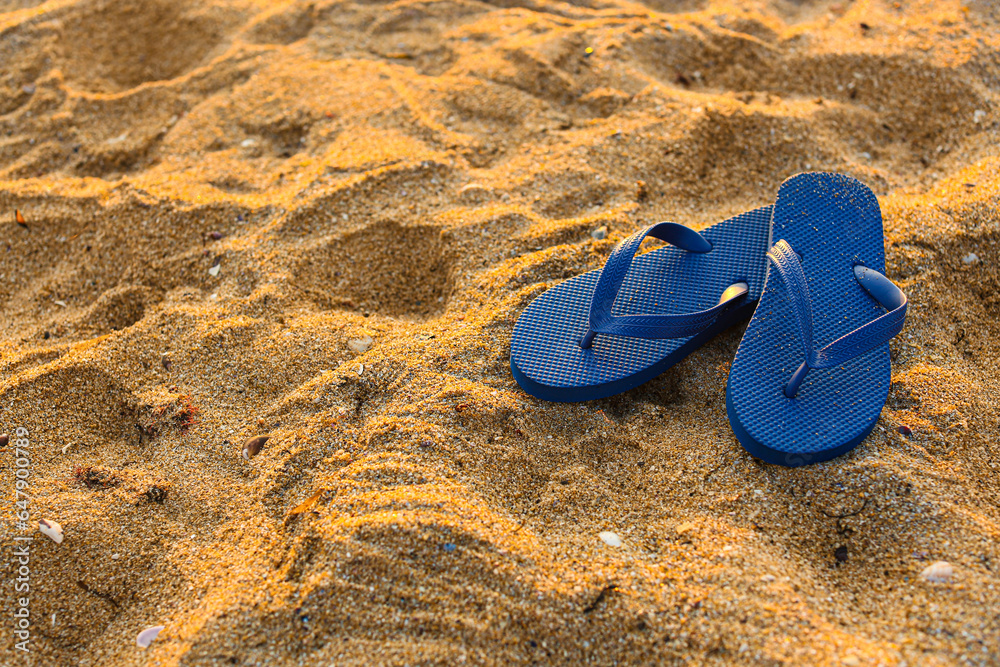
[(51, 529), (940, 572), (146, 637), (19, 219), (214, 271), (117, 140), (474, 193), (360, 345), (609, 538), (308, 503), (252, 447)]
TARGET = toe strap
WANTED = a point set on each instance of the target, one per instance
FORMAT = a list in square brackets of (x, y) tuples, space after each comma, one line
[(647, 325), (865, 338)]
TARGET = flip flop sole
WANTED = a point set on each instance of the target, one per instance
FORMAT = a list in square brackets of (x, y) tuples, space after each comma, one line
[(547, 360), (790, 459), (834, 223)]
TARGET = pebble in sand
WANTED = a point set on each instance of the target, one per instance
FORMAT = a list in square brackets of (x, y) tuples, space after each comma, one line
[(940, 572), (610, 538)]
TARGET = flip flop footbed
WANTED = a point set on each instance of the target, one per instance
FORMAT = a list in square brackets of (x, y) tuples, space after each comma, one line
[(547, 359)]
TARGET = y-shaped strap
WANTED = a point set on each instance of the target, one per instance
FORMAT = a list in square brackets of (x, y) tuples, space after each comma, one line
[(650, 326), (863, 339)]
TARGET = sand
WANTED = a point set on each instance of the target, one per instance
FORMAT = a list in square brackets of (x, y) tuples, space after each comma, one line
[(226, 200)]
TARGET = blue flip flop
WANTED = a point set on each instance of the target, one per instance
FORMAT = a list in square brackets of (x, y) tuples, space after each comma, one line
[(790, 401), (607, 331)]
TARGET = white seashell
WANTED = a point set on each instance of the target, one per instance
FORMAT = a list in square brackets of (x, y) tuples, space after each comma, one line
[(978, 115), (971, 258), (66, 447), (52, 529), (146, 637), (611, 539), (599, 233), (361, 369), (938, 573), (61, 303), (214, 271), (360, 345)]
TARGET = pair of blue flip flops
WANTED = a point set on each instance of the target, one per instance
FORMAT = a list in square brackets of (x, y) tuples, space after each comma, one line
[(806, 270)]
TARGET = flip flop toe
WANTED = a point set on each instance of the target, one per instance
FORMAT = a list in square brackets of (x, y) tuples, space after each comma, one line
[(607, 331), (812, 371)]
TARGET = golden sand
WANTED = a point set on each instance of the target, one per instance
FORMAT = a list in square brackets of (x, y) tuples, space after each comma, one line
[(415, 172)]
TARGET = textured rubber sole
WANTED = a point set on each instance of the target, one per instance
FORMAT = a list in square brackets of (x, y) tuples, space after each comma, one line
[(572, 395), (833, 222), (787, 459), (546, 357)]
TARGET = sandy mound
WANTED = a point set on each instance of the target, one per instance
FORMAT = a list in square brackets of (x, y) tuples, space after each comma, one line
[(319, 221)]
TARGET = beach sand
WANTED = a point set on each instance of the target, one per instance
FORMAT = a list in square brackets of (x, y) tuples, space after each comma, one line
[(320, 220)]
